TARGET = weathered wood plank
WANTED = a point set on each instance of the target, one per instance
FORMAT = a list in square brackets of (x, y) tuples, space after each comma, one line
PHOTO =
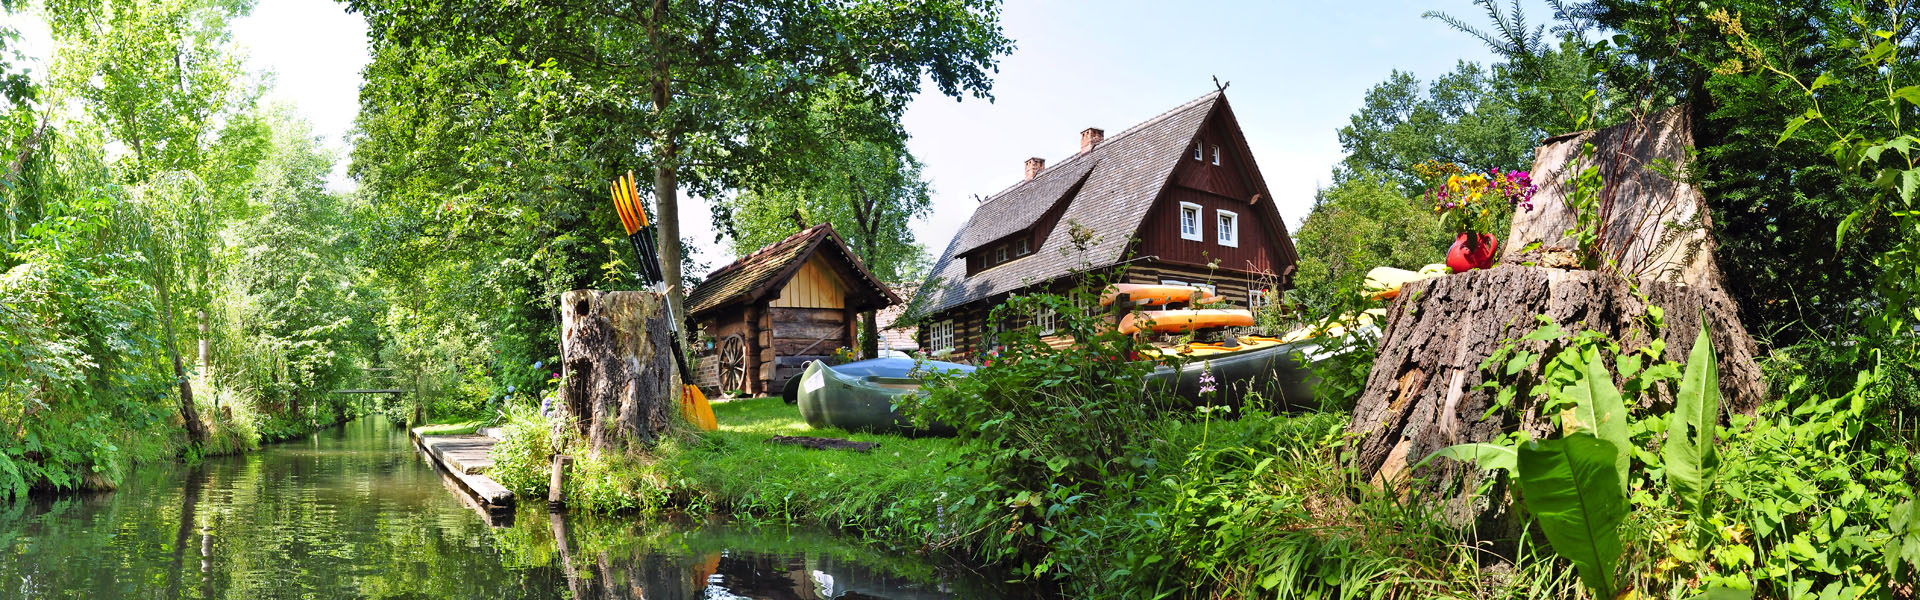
[(807, 315), (798, 330)]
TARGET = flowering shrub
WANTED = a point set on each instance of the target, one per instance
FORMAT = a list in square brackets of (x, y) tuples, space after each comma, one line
[(1474, 202)]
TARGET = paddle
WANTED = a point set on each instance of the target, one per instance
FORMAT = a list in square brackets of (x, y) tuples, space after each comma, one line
[(626, 201)]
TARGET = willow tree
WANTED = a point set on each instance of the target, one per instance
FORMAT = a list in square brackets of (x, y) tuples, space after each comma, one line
[(552, 98), (159, 76)]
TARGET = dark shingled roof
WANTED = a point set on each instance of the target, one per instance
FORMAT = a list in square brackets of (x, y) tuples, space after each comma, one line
[(1124, 174), (1017, 207), (766, 271)]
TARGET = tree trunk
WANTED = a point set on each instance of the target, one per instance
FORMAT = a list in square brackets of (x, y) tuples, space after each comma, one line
[(189, 417), (206, 349), (870, 334), (1424, 392), (666, 175), (616, 365)]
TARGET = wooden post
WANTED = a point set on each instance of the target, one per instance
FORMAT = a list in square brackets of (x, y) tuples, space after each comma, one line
[(556, 484), (616, 361)]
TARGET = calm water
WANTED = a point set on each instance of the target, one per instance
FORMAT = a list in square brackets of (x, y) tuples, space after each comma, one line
[(354, 513)]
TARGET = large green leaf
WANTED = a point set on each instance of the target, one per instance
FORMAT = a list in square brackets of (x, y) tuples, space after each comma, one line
[(1598, 409), (1488, 457), (1571, 486), (1689, 455)]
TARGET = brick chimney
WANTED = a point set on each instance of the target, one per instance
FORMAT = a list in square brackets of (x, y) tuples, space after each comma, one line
[(1091, 137), (1034, 166)]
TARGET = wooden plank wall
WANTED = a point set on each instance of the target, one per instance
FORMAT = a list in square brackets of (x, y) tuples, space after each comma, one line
[(814, 285)]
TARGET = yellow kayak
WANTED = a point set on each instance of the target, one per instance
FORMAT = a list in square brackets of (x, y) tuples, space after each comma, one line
[(1146, 294), (1180, 321)]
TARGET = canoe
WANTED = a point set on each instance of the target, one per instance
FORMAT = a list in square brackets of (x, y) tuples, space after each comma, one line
[(1184, 320), (859, 396), (1277, 370), (1146, 294)]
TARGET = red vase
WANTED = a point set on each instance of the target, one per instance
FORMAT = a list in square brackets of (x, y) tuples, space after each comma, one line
[(1472, 251)]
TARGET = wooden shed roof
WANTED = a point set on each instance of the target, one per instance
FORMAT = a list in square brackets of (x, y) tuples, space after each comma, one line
[(766, 271)]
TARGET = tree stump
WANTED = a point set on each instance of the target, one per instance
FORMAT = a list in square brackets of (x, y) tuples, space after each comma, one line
[(616, 368), (1424, 391)]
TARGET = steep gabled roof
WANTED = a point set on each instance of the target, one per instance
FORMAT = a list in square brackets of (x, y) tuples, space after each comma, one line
[(767, 270), (1123, 175), (1020, 206)]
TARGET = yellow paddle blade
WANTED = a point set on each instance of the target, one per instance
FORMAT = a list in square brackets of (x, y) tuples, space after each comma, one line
[(693, 402), (620, 208)]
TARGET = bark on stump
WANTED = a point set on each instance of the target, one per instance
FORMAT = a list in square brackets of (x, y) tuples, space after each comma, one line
[(616, 361), (1424, 392)]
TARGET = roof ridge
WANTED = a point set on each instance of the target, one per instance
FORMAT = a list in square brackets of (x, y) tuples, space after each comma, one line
[(1108, 141), (769, 248)]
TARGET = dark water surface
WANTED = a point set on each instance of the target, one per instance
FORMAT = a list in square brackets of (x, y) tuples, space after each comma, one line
[(353, 512)]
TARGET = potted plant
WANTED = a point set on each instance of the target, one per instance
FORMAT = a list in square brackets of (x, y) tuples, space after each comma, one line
[(1470, 204)]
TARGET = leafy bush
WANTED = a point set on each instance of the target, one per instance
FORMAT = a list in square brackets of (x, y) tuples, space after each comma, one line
[(1047, 428), (523, 459)]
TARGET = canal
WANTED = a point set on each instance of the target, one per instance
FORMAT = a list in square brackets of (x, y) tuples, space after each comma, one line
[(353, 512)]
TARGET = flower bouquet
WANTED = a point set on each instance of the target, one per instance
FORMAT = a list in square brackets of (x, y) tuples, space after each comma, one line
[(1470, 204)]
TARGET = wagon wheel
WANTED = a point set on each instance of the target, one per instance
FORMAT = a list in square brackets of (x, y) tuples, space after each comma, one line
[(733, 363)]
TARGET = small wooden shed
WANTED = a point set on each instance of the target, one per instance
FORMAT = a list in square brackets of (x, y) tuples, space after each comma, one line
[(772, 311)]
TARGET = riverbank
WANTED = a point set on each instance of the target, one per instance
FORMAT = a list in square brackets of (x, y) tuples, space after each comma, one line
[(1270, 478)]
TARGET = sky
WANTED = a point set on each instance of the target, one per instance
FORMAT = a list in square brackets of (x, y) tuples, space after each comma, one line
[(1296, 71)]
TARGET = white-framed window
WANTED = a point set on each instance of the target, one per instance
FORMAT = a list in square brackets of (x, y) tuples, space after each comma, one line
[(1216, 154), (1257, 299), (1021, 247), (999, 254), (1197, 154), (1046, 321), (940, 335), (1190, 222), (1229, 228)]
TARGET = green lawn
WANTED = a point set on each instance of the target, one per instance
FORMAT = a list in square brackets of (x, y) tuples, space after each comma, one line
[(450, 427)]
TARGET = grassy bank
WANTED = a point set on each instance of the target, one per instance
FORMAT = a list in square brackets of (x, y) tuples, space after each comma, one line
[(1243, 507)]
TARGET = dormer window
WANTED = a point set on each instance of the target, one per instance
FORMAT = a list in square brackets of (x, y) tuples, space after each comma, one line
[(1190, 222), (1197, 155), (999, 254), (1229, 228), (1020, 248), (1216, 155)]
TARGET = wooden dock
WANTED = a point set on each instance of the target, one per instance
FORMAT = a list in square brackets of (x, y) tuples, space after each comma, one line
[(463, 458)]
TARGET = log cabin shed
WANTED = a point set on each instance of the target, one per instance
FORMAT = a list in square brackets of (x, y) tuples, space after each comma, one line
[(772, 311)]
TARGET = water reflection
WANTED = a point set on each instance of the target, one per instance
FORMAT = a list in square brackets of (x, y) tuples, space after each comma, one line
[(352, 513)]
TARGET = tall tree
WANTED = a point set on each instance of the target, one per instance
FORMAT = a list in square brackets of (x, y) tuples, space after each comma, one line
[(870, 191), (1469, 117), (159, 74), (1363, 221), (706, 94)]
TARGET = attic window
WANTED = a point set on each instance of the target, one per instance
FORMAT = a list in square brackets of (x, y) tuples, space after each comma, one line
[(1229, 228), (1197, 154), (999, 254), (1216, 155), (1190, 222), (1020, 248)]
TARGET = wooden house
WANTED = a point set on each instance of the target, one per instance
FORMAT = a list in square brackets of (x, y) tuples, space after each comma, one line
[(772, 311), (1174, 200)]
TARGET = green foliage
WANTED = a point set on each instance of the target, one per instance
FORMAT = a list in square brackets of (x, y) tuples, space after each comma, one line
[(1360, 223), (1689, 456), (1473, 115), (1048, 427), (1579, 499)]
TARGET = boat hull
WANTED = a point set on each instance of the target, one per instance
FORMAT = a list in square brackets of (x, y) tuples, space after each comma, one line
[(1281, 374), (860, 396)]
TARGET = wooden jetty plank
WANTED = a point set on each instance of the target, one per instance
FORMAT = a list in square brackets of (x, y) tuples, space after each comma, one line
[(462, 453), (444, 450)]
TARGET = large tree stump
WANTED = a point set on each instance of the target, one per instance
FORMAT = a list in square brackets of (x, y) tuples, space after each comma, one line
[(1424, 391), (616, 365)]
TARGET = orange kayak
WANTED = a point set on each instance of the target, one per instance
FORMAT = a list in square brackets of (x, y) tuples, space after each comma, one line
[(1146, 294), (1180, 321)]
